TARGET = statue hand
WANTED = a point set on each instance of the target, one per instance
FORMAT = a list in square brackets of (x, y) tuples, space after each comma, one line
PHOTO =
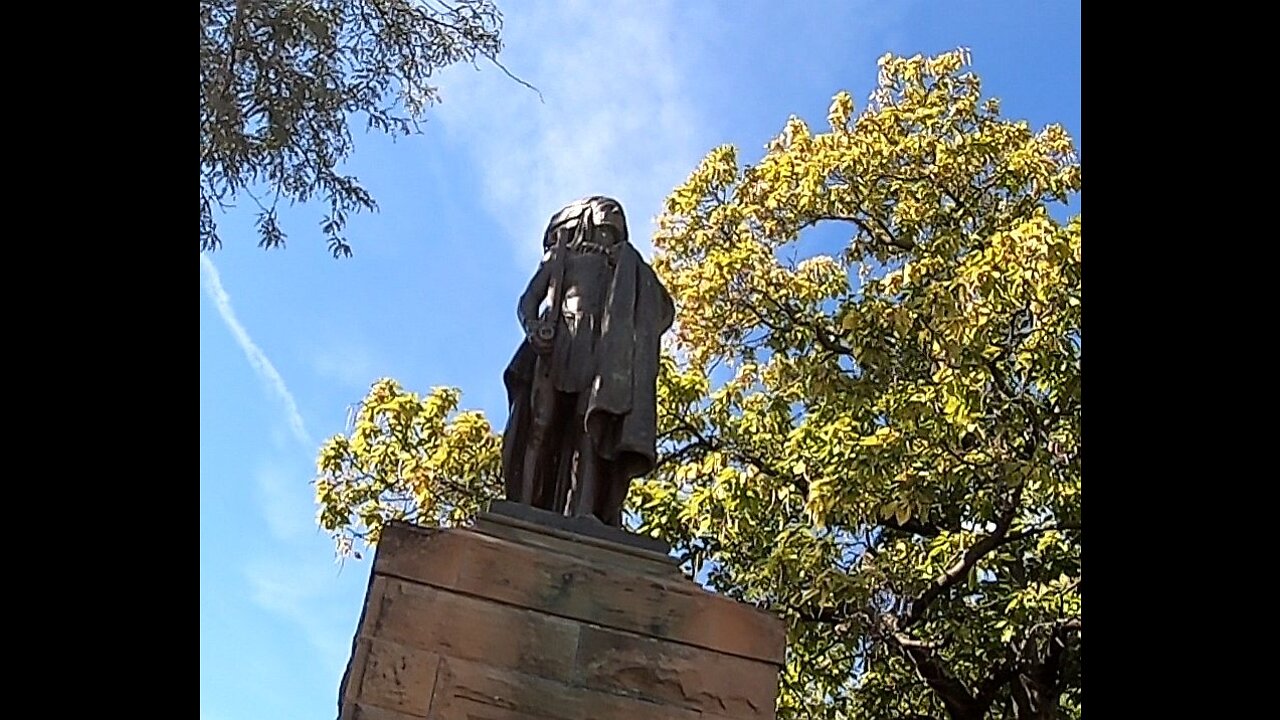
[(541, 337)]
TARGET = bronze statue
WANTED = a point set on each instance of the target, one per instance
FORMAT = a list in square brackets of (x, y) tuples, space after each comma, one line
[(582, 385)]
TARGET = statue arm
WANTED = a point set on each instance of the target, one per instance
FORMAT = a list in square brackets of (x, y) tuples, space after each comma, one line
[(527, 309)]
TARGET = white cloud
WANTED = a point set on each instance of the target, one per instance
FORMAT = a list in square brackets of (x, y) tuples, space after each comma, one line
[(617, 120), (286, 502), (305, 594), (351, 364), (257, 358)]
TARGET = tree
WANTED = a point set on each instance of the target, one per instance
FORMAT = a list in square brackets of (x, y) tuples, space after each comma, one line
[(280, 80), (407, 458), (880, 442)]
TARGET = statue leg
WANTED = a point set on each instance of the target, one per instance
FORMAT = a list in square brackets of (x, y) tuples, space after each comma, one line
[(562, 481), (586, 479), (615, 485), (589, 469), (540, 439)]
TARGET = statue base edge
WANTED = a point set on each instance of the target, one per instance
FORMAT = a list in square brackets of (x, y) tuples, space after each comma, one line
[(501, 511)]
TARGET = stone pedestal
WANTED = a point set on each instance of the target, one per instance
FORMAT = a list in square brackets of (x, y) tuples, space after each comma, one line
[(519, 619)]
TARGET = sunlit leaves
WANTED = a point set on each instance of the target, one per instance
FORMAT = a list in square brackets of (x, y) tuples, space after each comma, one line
[(409, 458), (898, 403)]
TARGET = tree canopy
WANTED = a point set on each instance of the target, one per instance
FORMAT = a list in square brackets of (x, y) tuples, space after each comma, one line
[(281, 81), (869, 413)]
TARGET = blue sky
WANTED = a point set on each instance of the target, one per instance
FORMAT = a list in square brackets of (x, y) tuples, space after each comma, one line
[(635, 93)]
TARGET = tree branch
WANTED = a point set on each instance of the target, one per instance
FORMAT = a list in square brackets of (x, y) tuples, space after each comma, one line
[(913, 526), (493, 59), (679, 453), (887, 238), (960, 569), (956, 698), (739, 453), (1002, 675), (1038, 682), (820, 334)]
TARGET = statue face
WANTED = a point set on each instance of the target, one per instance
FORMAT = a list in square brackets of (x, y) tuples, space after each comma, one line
[(610, 224), (607, 235), (608, 213)]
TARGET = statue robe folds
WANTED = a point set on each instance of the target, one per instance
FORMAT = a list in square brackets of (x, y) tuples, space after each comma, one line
[(621, 412)]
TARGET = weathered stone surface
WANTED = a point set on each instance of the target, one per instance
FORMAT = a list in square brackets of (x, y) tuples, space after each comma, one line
[(464, 709), (349, 691), (482, 691), (359, 711), (399, 678), (474, 629), (349, 688), (462, 625), (675, 674), (577, 589)]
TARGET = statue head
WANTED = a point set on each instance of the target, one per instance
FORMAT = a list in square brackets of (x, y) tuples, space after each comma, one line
[(597, 219)]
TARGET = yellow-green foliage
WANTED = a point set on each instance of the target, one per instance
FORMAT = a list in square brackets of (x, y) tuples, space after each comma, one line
[(406, 458)]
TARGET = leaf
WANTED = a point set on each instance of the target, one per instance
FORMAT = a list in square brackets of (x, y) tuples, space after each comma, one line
[(902, 514)]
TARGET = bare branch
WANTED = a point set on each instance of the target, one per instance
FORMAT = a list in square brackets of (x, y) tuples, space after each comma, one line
[(493, 59), (956, 698)]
